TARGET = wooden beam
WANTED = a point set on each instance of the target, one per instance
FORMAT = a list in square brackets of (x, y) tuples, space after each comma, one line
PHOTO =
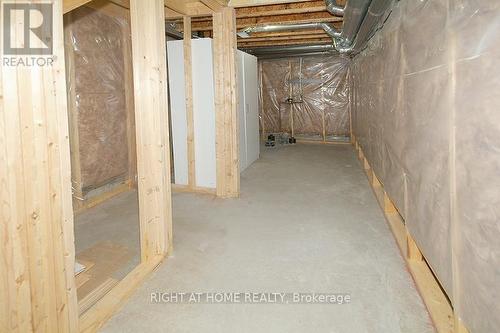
[(188, 81), (177, 5), (110, 8), (128, 82), (195, 9), (69, 5), (151, 121), (226, 113), (250, 3), (281, 9), (214, 5), (37, 254), (172, 14), (253, 21)]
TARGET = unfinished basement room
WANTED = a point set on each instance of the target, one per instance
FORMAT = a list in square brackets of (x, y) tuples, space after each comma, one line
[(268, 166)]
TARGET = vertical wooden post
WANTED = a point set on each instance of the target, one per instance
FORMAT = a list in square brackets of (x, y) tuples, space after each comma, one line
[(37, 255), (147, 20), (129, 101), (226, 112), (188, 81), (76, 172)]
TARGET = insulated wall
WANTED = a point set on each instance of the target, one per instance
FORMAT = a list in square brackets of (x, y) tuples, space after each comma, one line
[(425, 104), (100, 105), (307, 97)]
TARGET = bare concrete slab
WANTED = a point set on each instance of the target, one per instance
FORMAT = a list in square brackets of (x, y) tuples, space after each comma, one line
[(306, 222)]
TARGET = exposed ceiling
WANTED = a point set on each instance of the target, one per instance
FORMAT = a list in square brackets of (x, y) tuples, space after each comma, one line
[(248, 13), (260, 12)]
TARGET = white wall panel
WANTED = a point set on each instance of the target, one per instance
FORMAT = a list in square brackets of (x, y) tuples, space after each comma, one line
[(176, 85), (204, 112)]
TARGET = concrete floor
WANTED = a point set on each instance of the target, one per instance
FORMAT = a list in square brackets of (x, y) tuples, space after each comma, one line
[(307, 221)]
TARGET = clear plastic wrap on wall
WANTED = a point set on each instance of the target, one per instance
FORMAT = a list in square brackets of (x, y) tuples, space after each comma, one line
[(97, 103), (425, 108), (306, 96)]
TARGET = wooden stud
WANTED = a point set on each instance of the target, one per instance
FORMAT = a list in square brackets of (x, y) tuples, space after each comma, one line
[(226, 113), (248, 3), (282, 9), (76, 172), (295, 18), (188, 79), (129, 101), (151, 122), (197, 189), (37, 250), (215, 5), (69, 5)]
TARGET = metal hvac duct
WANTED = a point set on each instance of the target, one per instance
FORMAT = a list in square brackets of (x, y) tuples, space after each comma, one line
[(333, 8), (371, 21), (274, 50), (361, 19), (354, 13), (329, 29)]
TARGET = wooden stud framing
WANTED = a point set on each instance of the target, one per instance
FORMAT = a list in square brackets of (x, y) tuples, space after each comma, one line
[(69, 5), (188, 79), (76, 179), (129, 102), (436, 301), (37, 253), (80, 201), (151, 122), (37, 250), (226, 113)]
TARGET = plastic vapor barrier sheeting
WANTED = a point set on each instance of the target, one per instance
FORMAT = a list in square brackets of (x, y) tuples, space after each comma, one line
[(425, 105), (307, 97), (96, 83)]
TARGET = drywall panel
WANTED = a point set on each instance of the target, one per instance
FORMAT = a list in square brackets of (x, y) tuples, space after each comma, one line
[(204, 112), (177, 94), (251, 108), (248, 108), (240, 64)]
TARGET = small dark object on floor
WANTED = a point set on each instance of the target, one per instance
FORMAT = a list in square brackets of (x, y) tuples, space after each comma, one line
[(292, 140)]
